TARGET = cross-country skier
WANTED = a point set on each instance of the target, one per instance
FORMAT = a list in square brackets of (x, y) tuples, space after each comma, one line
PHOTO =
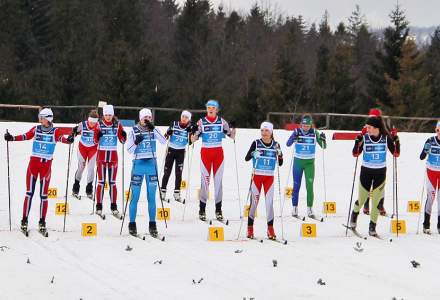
[(265, 154), (108, 132), (373, 145), (374, 112), (44, 136), (305, 139), (178, 135), (142, 144), (87, 149), (431, 149), (212, 128)]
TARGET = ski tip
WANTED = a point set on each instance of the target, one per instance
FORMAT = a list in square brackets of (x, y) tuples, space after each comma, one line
[(210, 222), (285, 242), (184, 200), (163, 239), (143, 238), (227, 222), (303, 218), (261, 241), (322, 220)]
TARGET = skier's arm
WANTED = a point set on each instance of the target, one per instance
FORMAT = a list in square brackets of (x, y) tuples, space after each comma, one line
[(122, 135), (321, 139), (160, 137), (25, 136), (250, 152), (97, 134), (279, 154), (229, 129), (198, 132), (169, 132), (131, 146), (426, 148), (392, 147), (357, 148), (59, 137), (292, 139)]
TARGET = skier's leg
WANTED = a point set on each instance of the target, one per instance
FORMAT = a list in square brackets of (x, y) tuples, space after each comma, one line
[(31, 180), (364, 190), (151, 181), (269, 195), (135, 188), (113, 189), (169, 161), (309, 173), (205, 169), (45, 175), (81, 165), (100, 186), (180, 157), (297, 177), (431, 184), (218, 168), (91, 164), (376, 195), (255, 197)]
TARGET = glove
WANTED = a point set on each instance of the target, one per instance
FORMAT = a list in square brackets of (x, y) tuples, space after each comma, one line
[(8, 137), (75, 131), (364, 130), (393, 132), (100, 134), (426, 148), (170, 131), (278, 149), (396, 154), (124, 135), (70, 138), (150, 125), (139, 139), (322, 136), (359, 139), (256, 154)]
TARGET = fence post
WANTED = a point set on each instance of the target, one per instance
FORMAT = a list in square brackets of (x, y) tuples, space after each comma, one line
[(327, 121)]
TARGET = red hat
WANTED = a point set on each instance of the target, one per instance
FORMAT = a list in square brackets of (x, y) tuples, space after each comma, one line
[(375, 112)]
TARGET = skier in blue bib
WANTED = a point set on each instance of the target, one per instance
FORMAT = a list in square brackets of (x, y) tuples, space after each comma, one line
[(142, 142)]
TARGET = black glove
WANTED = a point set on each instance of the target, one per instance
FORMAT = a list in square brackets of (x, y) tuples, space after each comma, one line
[(124, 135), (169, 131), (139, 138), (100, 134), (8, 137), (75, 130), (150, 125), (322, 136), (359, 138), (192, 128), (70, 138)]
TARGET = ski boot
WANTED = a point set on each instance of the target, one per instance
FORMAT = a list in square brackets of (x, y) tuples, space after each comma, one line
[(177, 196), (163, 193), (427, 224), (24, 225), (271, 233), (295, 211), (75, 188), (99, 209), (202, 212), (42, 227), (353, 219), (250, 232), (153, 229), (310, 213), (382, 210), (114, 209), (438, 224), (366, 211), (372, 229), (218, 211), (89, 190), (132, 228)]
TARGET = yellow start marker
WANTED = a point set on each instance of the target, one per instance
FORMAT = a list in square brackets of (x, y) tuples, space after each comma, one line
[(329, 207), (163, 214), (401, 226), (308, 230), (52, 193), (413, 206), (247, 209), (89, 229), (183, 184), (61, 208), (216, 234), (288, 192)]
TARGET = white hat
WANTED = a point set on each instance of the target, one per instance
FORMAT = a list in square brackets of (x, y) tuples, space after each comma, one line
[(144, 112), (267, 125), (186, 113), (46, 113), (108, 110)]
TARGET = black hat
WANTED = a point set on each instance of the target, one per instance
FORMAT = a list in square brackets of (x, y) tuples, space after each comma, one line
[(374, 121)]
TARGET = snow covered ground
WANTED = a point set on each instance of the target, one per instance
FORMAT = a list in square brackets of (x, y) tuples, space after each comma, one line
[(69, 266)]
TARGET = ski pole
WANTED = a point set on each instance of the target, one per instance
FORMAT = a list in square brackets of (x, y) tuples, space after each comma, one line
[(9, 183), (421, 199), (94, 185), (394, 188), (67, 187), (249, 195), (397, 199), (157, 179), (128, 195), (188, 185), (236, 176), (123, 177), (323, 176), (287, 183), (351, 197), (281, 200)]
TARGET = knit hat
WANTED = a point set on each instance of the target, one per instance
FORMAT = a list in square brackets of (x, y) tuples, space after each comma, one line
[(144, 112), (267, 125), (306, 120), (46, 113), (213, 103), (375, 112), (374, 121), (187, 114), (108, 110)]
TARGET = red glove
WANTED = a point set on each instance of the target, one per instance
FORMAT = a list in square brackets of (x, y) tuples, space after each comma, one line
[(394, 132), (364, 130), (396, 154)]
